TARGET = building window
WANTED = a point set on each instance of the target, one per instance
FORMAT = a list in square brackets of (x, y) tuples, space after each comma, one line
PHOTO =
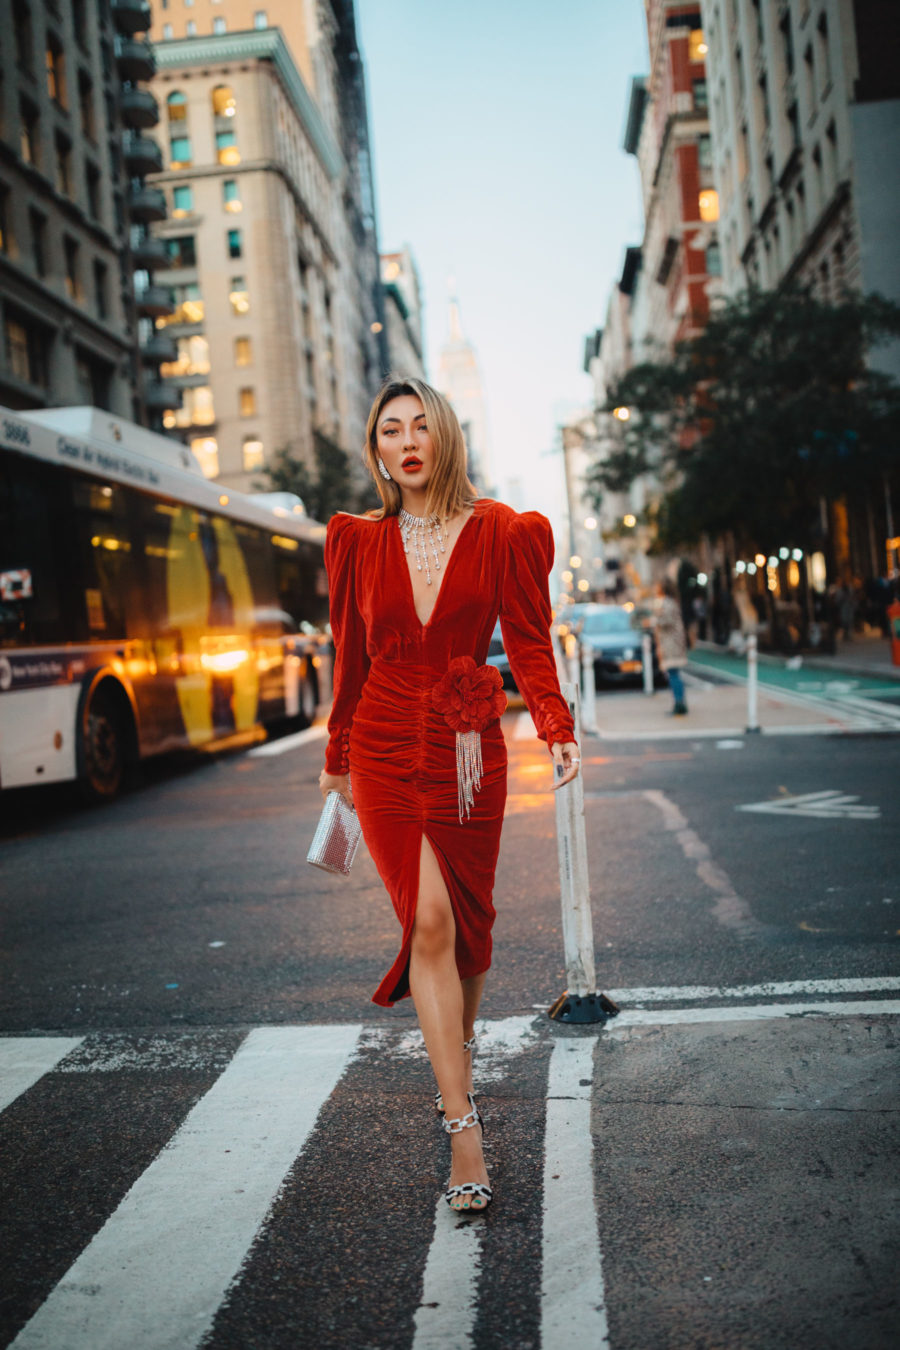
[(179, 140), (227, 151), (190, 28), (239, 296), (205, 449), (243, 351), (704, 152), (182, 201), (92, 179), (252, 454), (39, 241), (188, 305), (247, 402), (794, 124), (26, 349), (100, 288), (788, 43), (5, 240), (223, 101), (231, 195), (260, 19), (193, 358), (79, 21), (823, 53), (709, 204), (21, 24), (56, 70), (196, 409), (234, 243), (219, 25), (167, 32), (93, 379), (697, 45), (86, 105), (700, 95), (224, 107), (182, 251), (831, 146), (73, 280), (30, 140), (713, 260), (63, 166)]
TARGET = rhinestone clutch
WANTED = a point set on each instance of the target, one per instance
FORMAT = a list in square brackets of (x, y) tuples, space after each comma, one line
[(336, 839)]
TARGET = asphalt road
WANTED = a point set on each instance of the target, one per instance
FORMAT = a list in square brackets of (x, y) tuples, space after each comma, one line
[(174, 975)]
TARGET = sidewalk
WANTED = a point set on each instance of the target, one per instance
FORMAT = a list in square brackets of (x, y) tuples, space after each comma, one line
[(714, 710)]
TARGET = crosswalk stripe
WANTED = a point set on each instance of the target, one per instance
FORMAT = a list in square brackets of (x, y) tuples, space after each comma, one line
[(156, 1273), (25, 1059), (573, 1308), (445, 1317)]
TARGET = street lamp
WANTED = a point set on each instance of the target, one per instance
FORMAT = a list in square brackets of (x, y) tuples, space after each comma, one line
[(629, 520), (590, 523), (622, 414)]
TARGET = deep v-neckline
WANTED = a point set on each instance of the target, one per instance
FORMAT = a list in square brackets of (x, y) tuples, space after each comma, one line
[(445, 568)]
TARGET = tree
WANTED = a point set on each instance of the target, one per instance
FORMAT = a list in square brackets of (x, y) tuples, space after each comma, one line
[(750, 424), (327, 487)]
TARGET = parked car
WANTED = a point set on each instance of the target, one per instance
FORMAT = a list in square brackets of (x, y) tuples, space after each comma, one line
[(614, 635)]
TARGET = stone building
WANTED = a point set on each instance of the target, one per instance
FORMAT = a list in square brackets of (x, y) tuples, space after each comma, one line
[(76, 284), (459, 378), (273, 265), (403, 313)]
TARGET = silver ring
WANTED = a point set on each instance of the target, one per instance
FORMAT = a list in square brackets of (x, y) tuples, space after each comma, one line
[(575, 760)]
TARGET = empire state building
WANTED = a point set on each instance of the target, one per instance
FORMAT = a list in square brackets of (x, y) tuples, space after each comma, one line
[(459, 379)]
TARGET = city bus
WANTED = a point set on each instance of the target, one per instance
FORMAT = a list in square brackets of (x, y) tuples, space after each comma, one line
[(144, 608)]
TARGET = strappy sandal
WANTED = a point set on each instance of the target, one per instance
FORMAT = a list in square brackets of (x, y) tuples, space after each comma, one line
[(471, 1188), (468, 1047)]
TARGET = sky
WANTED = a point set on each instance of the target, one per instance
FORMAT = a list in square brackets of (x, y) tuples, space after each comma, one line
[(496, 141)]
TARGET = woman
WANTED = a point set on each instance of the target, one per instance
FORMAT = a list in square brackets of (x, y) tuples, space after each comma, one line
[(671, 643), (416, 589)]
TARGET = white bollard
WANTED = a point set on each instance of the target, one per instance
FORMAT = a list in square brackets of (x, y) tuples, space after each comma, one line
[(752, 685), (578, 932), (647, 645), (588, 689)]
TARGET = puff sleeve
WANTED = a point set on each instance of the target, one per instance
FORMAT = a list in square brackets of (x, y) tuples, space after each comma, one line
[(525, 618), (351, 662)]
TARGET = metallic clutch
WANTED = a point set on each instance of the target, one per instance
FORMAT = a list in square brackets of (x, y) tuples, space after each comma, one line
[(336, 839)]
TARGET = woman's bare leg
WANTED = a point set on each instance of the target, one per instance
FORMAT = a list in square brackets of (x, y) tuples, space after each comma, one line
[(438, 994), (472, 989)]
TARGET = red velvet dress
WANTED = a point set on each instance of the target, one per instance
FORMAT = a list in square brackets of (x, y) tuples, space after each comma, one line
[(386, 732)]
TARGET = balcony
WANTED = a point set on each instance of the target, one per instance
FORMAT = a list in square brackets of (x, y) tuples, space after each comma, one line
[(131, 16), (135, 59), (154, 301), (161, 397), (142, 155), (148, 252), (159, 348), (139, 108), (147, 204)]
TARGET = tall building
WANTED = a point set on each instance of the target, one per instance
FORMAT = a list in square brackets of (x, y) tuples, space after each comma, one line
[(459, 379), (805, 120), (271, 244), (403, 313), (76, 285)]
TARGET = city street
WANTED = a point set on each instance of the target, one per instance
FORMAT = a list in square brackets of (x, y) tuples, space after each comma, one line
[(210, 1134)]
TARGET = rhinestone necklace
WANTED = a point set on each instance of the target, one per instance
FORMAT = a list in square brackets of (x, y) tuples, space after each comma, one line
[(426, 532)]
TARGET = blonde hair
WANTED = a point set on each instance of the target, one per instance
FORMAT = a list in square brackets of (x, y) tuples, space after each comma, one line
[(449, 490)]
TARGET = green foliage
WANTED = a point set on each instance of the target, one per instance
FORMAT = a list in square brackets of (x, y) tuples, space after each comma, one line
[(750, 423), (325, 488)]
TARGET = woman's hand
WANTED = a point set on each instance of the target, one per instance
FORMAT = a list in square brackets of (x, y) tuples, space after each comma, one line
[(567, 758), (335, 782)]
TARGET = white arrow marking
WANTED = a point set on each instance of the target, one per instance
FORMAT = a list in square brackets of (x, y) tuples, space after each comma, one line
[(829, 805)]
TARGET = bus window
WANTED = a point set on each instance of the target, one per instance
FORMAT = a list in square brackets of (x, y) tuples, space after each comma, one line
[(104, 541), (29, 502)]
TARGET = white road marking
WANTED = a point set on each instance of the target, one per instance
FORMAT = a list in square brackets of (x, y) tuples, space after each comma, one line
[(285, 743), (729, 745), (774, 989), (445, 1318), (828, 805), (573, 1308), (25, 1059), (157, 1271), (749, 1012), (729, 908)]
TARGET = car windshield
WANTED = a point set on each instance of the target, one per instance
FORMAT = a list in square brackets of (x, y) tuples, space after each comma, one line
[(607, 621)]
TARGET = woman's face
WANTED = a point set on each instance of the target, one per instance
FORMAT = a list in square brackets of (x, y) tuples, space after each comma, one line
[(404, 442)]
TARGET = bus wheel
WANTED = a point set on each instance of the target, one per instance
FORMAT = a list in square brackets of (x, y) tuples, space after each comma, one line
[(105, 742)]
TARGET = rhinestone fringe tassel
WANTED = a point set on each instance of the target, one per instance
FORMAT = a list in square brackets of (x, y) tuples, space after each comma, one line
[(468, 770)]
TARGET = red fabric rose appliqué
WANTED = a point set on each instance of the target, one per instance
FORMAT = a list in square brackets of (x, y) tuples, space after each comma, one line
[(469, 697)]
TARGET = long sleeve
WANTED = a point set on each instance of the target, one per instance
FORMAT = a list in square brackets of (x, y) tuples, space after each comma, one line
[(525, 617), (351, 662)]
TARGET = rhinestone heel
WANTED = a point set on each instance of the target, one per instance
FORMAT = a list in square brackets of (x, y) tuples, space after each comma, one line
[(473, 1189), (468, 1047)]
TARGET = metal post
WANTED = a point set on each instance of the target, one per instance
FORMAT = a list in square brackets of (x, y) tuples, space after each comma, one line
[(752, 685), (588, 688), (580, 1002), (647, 654)]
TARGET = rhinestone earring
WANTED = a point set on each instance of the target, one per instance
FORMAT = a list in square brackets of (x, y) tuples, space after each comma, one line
[(382, 470)]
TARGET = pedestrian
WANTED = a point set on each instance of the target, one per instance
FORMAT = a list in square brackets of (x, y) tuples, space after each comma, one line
[(415, 741), (671, 642)]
